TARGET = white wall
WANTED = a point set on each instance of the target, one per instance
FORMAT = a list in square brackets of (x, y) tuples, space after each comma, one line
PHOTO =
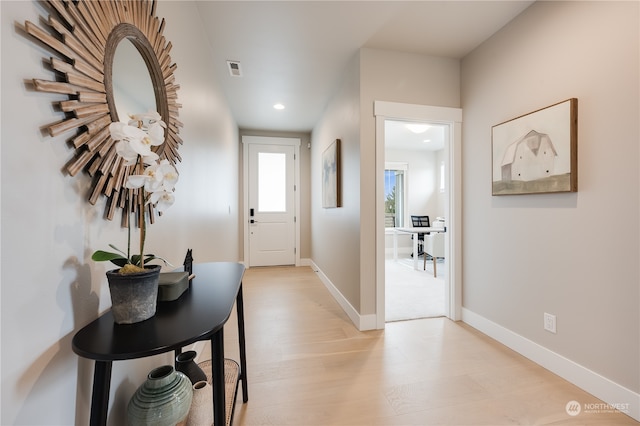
[(343, 240), (393, 77), (421, 181), (335, 232), (49, 286), (422, 187), (574, 255)]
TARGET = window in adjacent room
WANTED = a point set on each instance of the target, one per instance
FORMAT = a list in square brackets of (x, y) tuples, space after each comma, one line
[(394, 194)]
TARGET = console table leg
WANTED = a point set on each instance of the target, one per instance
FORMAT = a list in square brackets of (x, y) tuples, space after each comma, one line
[(243, 352), (217, 371), (100, 394)]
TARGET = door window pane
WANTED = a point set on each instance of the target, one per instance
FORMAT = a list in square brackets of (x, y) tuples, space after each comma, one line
[(272, 174)]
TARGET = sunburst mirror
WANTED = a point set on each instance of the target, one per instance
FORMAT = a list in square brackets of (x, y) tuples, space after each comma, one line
[(85, 36)]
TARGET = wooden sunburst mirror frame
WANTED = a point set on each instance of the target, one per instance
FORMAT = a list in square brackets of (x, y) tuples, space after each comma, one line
[(85, 34)]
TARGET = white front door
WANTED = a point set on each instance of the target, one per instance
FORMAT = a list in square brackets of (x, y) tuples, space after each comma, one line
[(271, 204)]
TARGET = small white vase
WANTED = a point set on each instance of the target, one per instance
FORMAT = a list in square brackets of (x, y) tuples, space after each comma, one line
[(201, 411)]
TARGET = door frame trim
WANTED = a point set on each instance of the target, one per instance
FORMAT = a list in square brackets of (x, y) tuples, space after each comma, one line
[(453, 154), (270, 140)]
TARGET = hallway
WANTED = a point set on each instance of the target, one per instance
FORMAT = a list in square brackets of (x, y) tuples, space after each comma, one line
[(308, 365)]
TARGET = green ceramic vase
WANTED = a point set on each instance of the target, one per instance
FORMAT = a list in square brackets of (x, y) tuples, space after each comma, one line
[(163, 399)]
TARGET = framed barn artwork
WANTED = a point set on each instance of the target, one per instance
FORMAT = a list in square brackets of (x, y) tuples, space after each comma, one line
[(331, 175), (537, 153)]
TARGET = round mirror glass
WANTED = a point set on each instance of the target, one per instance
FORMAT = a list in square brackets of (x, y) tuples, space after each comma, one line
[(132, 86)]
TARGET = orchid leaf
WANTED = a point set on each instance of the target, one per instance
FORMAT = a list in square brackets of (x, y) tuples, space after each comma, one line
[(101, 256), (121, 261), (115, 258), (135, 259), (149, 257), (117, 249)]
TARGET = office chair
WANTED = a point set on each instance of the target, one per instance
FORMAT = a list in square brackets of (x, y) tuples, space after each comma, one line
[(420, 222)]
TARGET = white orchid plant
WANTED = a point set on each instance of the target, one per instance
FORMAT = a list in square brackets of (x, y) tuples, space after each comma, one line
[(156, 180)]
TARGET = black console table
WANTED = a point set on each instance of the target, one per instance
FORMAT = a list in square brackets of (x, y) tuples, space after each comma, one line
[(199, 314)]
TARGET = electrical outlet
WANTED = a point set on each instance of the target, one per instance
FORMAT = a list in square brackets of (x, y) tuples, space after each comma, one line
[(550, 322)]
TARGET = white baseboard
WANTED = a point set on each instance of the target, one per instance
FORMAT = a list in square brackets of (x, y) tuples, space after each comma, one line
[(590, 381), (305, 262), (402, 251), (362, 322)]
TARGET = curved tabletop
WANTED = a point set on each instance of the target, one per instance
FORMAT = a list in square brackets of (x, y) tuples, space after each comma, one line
[(195, 315), (421, 229)]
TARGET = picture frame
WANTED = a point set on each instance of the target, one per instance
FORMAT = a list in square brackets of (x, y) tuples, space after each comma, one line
[(537, 153), (331, 176)]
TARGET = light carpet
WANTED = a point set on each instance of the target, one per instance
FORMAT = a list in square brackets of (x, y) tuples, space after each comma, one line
[(412, 294)]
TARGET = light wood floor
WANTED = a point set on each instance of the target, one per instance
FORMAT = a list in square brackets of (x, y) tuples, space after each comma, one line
[(308, 365)]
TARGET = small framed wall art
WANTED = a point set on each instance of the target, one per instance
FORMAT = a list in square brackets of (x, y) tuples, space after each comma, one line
[(331, 175), (537, 152)]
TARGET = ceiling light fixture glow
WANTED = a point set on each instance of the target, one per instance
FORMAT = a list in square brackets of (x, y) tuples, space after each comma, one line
[(418, 128), (278, 106)]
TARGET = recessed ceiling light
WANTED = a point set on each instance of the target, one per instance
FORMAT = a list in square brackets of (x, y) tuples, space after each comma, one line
[(418, 128), (278, 106), (426, 140)]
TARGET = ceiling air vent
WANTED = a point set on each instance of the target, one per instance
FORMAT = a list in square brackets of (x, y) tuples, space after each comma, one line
[(234, 68)]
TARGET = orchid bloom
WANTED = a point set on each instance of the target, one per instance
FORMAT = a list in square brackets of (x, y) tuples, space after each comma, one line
[(157, 177), (133, 141), (123, 149), (152, 124), (147, 119), (162, 200), (169, 175), (143, 144)]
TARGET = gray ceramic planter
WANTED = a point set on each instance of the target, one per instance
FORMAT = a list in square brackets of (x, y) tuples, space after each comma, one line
[(133, 296)]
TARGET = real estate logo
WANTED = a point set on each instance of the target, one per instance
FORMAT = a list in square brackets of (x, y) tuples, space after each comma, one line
[(573, 408)]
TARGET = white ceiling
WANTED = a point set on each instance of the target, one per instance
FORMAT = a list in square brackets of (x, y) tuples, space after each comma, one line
[(398, 136), (294, 52)]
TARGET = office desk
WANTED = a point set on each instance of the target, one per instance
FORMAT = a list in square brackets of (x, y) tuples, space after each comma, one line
[(414, 231), (199, 314)]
